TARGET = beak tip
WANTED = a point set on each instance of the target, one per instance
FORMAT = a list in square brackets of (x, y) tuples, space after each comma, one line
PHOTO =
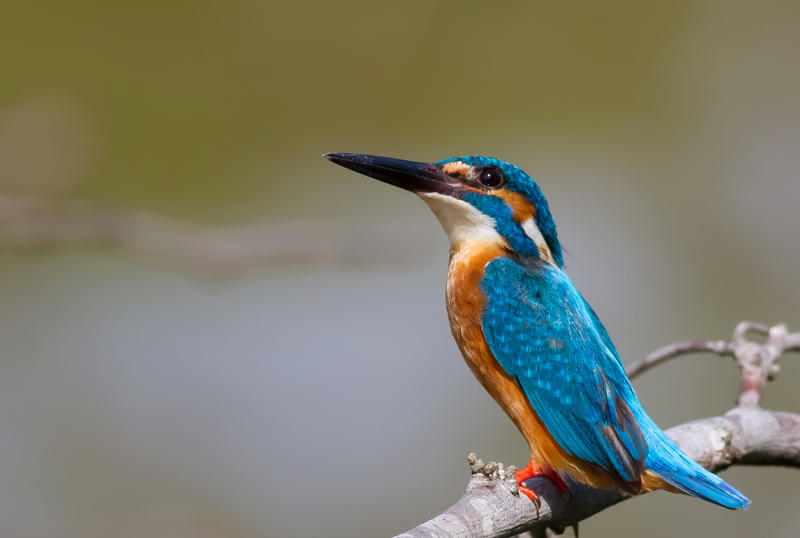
[(343, 158)]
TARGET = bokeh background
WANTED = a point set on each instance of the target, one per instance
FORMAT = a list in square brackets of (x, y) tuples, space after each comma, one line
[(208, 330)]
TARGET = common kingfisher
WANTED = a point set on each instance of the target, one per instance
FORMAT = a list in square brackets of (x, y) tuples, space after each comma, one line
[(532, 340)]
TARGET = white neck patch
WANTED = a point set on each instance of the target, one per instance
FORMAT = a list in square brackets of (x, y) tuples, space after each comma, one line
[(532, 230), (463, 223)]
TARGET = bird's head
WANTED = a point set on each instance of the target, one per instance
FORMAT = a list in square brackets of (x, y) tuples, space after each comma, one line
[(477, 199)]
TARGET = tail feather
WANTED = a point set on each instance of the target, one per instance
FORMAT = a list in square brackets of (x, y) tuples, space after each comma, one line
[(672, 465), (718, 492)]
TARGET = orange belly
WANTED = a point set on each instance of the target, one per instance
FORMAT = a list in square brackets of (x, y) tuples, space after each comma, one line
[(465, 306)]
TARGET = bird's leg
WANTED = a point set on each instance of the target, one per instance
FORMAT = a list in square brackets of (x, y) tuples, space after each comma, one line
[(533, 470)]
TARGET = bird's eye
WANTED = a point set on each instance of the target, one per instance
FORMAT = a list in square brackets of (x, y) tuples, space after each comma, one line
[(491, 177)]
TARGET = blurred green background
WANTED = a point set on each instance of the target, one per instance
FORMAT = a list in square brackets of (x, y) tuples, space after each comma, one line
[(315, 390)]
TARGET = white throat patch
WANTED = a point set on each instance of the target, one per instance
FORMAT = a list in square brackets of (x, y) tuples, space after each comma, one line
[(463, 223)]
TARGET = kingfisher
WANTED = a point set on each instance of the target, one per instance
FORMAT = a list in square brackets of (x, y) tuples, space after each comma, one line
[(532, 340)]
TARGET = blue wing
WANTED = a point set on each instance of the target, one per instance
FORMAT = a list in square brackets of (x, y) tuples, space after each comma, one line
[(543, 333)]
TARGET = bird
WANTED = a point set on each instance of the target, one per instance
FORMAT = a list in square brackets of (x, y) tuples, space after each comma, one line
[(532, 340)]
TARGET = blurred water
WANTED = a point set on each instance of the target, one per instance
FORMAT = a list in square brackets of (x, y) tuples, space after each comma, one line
[(305, 397)]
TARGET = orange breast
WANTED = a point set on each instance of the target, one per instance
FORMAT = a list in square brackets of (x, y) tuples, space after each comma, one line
[(465, 306)]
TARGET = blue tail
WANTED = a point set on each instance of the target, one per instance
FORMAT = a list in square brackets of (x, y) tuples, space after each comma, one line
[(670, 463)]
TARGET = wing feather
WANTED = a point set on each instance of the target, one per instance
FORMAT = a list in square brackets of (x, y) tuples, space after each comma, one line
[(543, 333)]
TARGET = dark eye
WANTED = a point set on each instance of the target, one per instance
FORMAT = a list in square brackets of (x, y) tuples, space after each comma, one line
[(491, 177)]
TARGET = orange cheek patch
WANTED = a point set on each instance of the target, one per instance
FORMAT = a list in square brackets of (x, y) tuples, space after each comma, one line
[(522, 208), (456, 168)]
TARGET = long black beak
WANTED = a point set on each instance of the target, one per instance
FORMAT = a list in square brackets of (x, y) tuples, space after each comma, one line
[(409, 175)]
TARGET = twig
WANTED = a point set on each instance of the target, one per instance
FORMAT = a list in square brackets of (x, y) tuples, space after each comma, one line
[(759, 361), (746, 435), (654, 358)]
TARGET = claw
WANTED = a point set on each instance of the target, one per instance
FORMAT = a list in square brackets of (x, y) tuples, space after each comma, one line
[(528, 492)]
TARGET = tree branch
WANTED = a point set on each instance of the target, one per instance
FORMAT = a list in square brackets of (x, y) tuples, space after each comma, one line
[(654, 358), (746, 435)]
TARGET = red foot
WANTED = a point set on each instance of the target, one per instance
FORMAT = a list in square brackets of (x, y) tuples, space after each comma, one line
[(529, 471), (532, 470)]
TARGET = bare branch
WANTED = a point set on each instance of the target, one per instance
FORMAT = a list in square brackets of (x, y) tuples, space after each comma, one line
[(720, 347), (746, 435), (744, 327), (490, 509)]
